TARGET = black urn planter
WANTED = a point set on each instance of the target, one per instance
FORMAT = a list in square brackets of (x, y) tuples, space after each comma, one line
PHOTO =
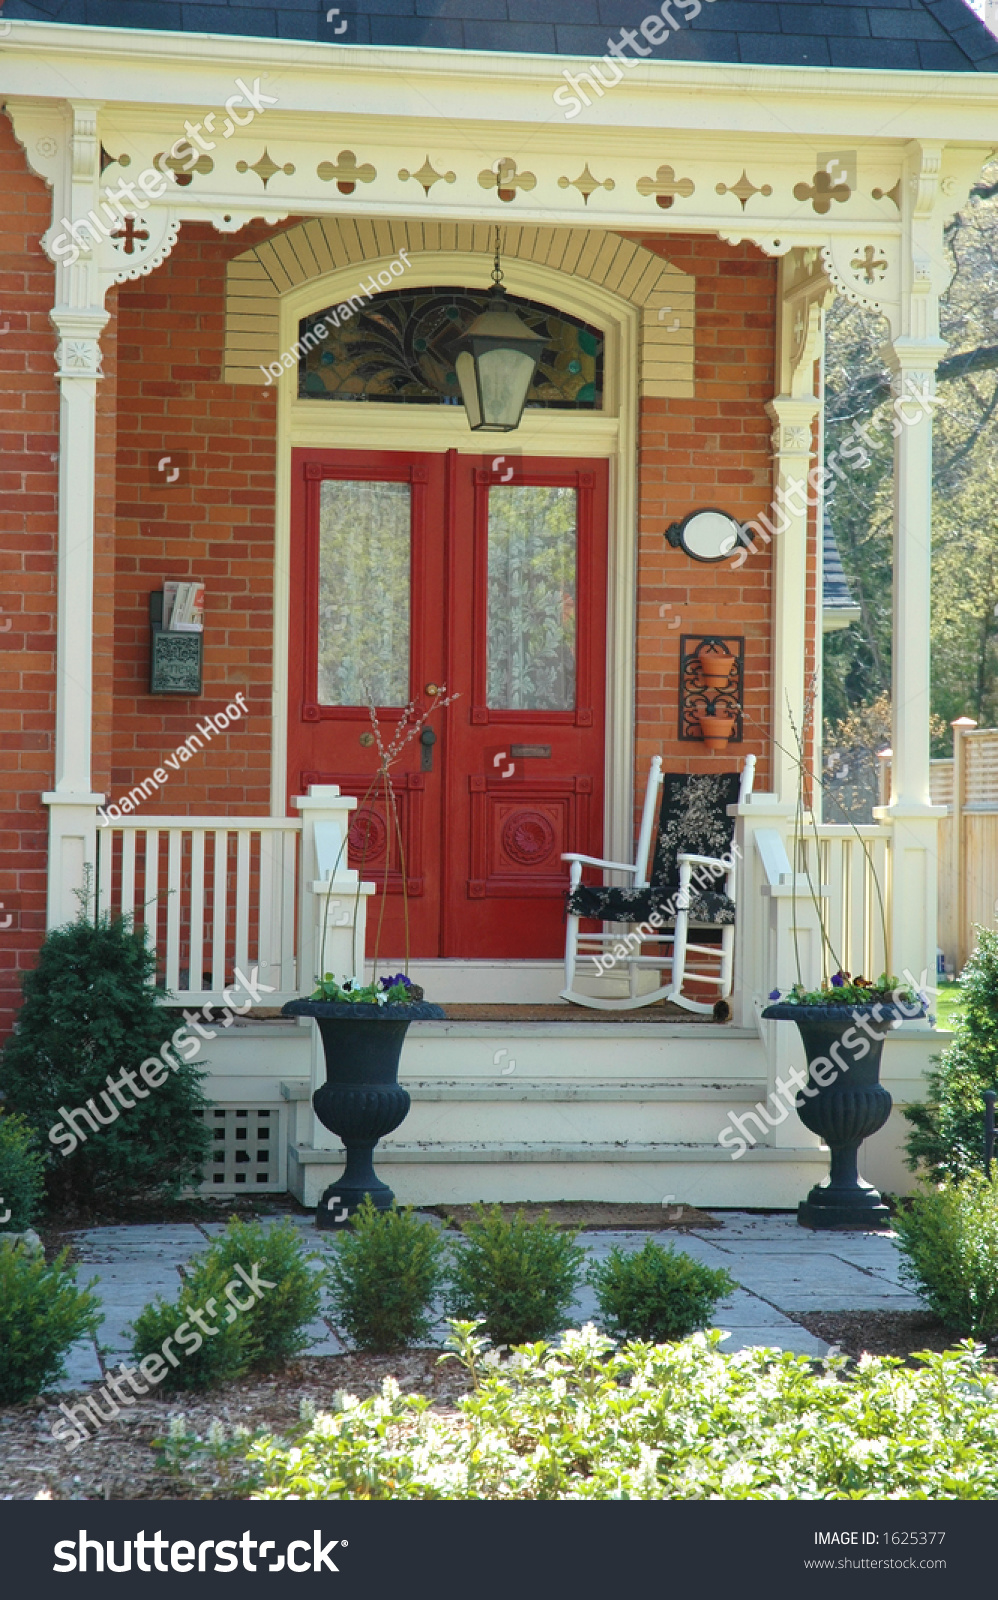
[(361, 1100), (849, 1106)]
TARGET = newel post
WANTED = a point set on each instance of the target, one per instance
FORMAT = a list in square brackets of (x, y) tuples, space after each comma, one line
[(330, 893)]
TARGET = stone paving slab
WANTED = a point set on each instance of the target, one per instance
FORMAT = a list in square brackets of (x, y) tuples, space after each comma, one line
[(141, 1241), (82, 1367), (779, 1267), (795, 1339)]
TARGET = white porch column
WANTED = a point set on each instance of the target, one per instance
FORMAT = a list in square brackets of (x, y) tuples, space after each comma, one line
[(79, 318), (72, 805), (792, 418), (914, 868)]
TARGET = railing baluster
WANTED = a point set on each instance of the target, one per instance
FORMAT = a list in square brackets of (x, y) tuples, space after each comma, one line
[(128, 873), (196, 967), (220, 889), (242, 898), (174, 907)]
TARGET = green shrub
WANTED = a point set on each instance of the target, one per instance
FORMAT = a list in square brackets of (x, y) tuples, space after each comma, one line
[(656, 1294), (656, 1422), (42, 1313), (949, 1244), (203, 1360), (278, 1323), (252, 1328), (947, 1137), (520, 1278), (89, 1014), (22, 1181), (382, 1277)]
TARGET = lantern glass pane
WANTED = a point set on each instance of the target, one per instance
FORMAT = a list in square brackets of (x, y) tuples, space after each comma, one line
[(504, 378)]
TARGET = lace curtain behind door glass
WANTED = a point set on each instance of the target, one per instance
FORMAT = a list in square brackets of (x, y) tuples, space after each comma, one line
[(363, 622), (531, 599)]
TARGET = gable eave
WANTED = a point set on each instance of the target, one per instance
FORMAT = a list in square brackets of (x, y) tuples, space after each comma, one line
[(146, 66)]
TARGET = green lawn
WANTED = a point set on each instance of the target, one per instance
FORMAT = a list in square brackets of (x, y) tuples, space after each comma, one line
[(948, 1003)]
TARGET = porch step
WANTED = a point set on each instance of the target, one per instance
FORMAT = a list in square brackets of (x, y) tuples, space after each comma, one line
[(459, 1172)]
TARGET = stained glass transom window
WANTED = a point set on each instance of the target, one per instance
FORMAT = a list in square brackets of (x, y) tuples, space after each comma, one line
[(401, 346), (531, 600)]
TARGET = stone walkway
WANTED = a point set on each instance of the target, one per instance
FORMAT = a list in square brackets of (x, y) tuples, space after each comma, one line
[(779, 1267)]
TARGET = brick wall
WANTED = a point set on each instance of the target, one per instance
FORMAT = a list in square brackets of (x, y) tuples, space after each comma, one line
[(29, 439), (712, 451), (213, 521)]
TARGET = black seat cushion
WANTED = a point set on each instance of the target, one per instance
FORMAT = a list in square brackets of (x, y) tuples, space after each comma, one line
[(637, 905)]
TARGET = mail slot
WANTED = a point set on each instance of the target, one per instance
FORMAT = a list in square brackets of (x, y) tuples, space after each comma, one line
[(522, 751)]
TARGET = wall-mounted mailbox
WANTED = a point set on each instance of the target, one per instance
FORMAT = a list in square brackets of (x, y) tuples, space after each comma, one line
[(175, 658)]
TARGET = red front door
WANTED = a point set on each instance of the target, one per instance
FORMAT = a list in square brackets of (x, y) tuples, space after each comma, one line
[(484, 578)]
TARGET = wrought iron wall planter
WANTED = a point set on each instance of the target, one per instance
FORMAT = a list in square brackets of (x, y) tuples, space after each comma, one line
[(708, 694), (361, 1100)]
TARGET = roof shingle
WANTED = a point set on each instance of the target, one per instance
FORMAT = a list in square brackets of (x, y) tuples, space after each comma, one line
[(891, 35)]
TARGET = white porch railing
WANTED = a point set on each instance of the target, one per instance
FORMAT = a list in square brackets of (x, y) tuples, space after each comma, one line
[(820, 901), (221, 895)]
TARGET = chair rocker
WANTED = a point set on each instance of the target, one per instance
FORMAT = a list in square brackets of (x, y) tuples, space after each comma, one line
[(691, 886)]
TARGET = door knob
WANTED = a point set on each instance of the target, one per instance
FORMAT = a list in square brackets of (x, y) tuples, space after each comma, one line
[(431, 689), (427, 739)]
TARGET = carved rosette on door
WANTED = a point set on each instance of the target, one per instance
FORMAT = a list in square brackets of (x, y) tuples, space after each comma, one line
[(517, 838)]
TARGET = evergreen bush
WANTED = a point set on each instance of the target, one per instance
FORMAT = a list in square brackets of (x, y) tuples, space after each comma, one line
[(22, 1181), (177, 1330), (948, 1238), (90, 1015), (947, 1137), (246, 1302), (278, 1323), (518, 1277), (42, 1313), (656, 1294), (382, 1276)]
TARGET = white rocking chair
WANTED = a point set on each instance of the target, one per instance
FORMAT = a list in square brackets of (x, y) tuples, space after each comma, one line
[(691, 885)]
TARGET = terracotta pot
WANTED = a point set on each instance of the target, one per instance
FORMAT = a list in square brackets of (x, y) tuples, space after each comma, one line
[(716, 731), (715, 670)]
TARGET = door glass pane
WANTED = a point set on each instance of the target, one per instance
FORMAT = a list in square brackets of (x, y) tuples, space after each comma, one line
[(531, 601), (363, 623)]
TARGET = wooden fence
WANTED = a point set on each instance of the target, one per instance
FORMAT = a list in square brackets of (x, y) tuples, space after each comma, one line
[(967, 785)]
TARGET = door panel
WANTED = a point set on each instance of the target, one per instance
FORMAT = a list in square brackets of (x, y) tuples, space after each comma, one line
[(414, 571), (525, 769)]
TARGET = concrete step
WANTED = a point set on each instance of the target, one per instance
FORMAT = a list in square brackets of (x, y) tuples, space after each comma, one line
[(459, 1172), (548, 1109)]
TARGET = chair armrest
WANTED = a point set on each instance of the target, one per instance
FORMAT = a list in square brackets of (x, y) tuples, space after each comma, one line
[(594, 861), (706, 861)]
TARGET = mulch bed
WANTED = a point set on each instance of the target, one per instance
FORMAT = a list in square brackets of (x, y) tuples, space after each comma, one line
[(879, 1333), (604, 1215), (121, 1461)]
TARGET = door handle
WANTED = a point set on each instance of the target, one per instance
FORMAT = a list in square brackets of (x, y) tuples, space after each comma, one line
[(427, 740)]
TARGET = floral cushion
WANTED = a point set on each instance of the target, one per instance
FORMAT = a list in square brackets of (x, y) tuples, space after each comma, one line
[(693, 818), (637, 905)]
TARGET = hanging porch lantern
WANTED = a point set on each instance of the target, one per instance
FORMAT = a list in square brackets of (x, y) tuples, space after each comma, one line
[(497, 364)]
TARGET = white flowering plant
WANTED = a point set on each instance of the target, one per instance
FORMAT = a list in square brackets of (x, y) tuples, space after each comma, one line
[(586, 1420)]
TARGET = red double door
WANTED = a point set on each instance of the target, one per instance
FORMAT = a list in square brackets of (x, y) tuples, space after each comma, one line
[(480, 580)]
